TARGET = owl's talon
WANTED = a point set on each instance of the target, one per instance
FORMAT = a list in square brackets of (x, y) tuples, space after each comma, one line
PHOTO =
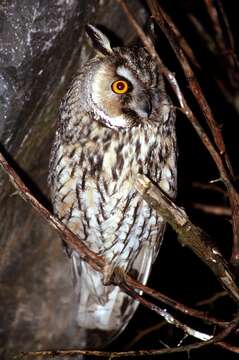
[(107, 274), (118, 275), (113, 275)]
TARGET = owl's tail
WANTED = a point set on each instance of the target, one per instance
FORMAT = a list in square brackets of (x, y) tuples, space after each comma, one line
[(104, 311)]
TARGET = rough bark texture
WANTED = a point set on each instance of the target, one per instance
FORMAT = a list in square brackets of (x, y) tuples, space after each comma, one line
[(41, 46)]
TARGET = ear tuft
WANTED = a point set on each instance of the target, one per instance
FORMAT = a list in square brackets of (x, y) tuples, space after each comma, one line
[(100, 42)]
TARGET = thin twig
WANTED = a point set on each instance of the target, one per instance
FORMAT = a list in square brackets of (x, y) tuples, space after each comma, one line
[(211, 299), (207, 38), (211, 9), (228, 31), (213, 209), (229, 347), (144, 332), (176, 305), (184, 45), (170, 319), (210, 187), (224, 52), (217, 338), (226, 48)]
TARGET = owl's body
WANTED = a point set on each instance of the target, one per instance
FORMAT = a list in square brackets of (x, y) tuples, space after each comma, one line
[(104, 139)]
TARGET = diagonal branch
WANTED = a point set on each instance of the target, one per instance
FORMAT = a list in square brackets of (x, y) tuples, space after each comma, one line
[(188, 234), (126, 283), (98, 263)]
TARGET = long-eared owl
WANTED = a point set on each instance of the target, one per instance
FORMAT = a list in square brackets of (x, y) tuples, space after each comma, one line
[(116, 121)]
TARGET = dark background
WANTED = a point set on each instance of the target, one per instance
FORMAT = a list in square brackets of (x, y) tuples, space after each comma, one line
[(41, 46)]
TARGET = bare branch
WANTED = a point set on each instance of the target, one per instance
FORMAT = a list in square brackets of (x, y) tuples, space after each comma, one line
[(216, 25), (126, 283), (210, 187), (211, 299), (228, 31), (223, 48), (188, 234), (86, 254), (184, 45), (144, 332), (228, 347), (213, 209), (207, 38), (171, 320), (98, 263), (61, 353)]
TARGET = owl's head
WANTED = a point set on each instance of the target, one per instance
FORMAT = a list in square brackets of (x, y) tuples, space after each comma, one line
[(124, 87)]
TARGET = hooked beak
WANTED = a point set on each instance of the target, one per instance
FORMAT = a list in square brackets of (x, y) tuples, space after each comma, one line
[(141, 105), (147, 107), (144, 107)]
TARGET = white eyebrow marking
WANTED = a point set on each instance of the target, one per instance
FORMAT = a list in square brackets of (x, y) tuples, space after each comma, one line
[(126, 73)]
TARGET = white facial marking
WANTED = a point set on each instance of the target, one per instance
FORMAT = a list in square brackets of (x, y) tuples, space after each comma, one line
[(126, 73), (113, 122)]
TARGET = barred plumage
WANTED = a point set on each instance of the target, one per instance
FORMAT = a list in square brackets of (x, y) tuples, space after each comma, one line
[(102, 142)]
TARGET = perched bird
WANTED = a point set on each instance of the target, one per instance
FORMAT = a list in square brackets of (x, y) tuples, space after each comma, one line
[(116, 121)]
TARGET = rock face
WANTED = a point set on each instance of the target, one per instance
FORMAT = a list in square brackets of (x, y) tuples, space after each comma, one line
[(37, 42), (41, 46)]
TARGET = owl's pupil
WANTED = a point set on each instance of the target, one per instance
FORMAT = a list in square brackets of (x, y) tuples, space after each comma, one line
[(120, 85)]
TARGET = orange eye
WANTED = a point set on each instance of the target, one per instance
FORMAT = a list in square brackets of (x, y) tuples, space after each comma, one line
[(120, 87)]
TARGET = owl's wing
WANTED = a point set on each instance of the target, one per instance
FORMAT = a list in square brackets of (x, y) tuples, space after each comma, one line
[(104, 311), (159, 240), (101, 310)]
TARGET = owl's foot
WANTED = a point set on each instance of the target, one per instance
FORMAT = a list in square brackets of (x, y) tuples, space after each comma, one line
[(113, 275)]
